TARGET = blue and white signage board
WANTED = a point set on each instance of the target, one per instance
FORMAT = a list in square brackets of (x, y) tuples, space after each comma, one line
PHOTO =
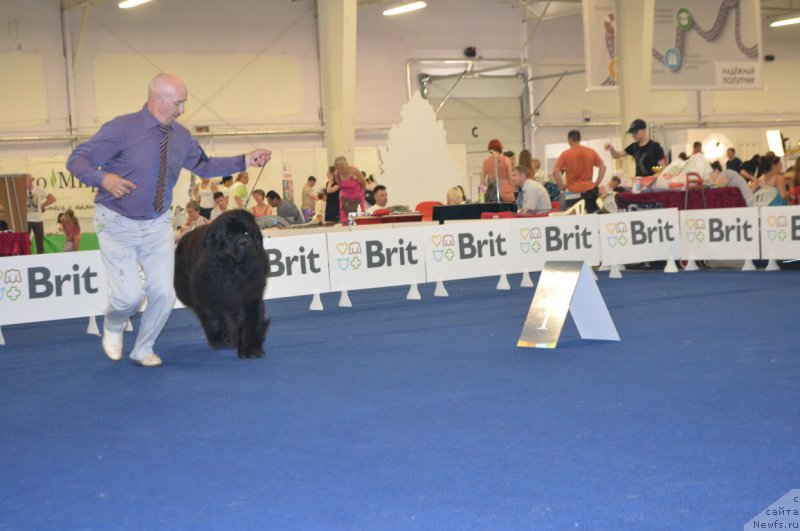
[(467, 250), (642, 236), (45, 287), (780, 232), (298, 265), (363, 259), (719, 234), (554, 239)]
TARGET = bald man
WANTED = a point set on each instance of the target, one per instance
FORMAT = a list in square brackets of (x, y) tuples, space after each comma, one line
[(134, 161)]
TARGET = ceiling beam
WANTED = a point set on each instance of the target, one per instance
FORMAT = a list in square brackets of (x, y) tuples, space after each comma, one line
[(70, 4)]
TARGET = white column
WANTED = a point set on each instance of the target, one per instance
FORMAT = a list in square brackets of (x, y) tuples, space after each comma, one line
[(337, 40), (634, 60)]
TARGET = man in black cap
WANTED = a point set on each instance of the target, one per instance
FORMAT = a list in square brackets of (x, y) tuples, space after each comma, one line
[(647, 153)]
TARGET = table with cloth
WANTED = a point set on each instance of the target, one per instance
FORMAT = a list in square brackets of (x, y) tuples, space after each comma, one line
[(728, 197)]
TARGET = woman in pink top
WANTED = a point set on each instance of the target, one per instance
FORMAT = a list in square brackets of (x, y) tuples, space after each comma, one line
[(497, 164), (351, 192), (72, 230)]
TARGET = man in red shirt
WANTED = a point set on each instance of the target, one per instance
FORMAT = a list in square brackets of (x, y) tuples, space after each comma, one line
[(578, 162)]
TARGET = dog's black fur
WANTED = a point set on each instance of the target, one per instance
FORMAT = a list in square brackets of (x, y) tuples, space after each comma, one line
[(220, 273)]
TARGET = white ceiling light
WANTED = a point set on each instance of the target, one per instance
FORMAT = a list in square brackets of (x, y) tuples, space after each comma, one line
[(791, 19), (131, 3), (775, 141), (404, 8)]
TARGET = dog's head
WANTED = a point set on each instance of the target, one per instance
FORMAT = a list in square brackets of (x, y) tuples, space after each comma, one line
[(235, 237)]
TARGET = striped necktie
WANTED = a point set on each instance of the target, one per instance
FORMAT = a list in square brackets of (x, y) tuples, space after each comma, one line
[(161, 185)]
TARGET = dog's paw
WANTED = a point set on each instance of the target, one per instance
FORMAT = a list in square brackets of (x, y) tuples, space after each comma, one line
[(251, 353)]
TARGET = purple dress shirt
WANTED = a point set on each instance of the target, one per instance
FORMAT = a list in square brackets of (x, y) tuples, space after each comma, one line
[(128, 146)]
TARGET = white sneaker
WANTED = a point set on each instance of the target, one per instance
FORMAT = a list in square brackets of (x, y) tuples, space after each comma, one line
[(112, 345), (151, 360)]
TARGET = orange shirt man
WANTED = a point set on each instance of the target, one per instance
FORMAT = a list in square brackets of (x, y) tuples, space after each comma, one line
[(578, 163)]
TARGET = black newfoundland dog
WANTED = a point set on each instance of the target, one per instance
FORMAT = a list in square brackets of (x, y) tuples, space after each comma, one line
[(220, 273)]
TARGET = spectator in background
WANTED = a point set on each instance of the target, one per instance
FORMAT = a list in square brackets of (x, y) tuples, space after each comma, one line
[(204, 195), (496, 171), (72, 230), (369, 190), (225, 185), (3, 224), (749, 170), (735, 179), (193, 219), (221, 203), (351, 192), (38, 200), (237, 197), (260, 209), (697, 148), (381, 198), (455, 196), (734, 163), (647, 154), (284, 209), (309, 198), (578, 163), (770, 175), (332, 189), (511, 157), (532, 197), (319, 207)]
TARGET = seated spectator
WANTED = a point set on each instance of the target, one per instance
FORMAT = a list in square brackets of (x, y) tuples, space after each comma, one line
[(532, 197), (749, 170), (381, 197), (221, 203), (193, 219), (260, 209), (455, 196), (284, 209), (3, 224), (615, 185), (735, 179), (770, 174), (72, 230)]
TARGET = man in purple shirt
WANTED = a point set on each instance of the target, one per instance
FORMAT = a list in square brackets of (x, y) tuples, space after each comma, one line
[(134, 161)]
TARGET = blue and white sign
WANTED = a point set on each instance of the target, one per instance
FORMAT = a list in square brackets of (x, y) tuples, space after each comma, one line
[(298, 265), (719, 234), (643, 236), (363, 259), (468, 250), (780, 232)]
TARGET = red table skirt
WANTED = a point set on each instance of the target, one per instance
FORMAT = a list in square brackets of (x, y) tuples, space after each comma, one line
[(727, 197), (404, 217), (14, 243)]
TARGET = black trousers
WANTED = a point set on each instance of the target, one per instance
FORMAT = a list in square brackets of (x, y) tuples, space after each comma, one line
[(38, 234)]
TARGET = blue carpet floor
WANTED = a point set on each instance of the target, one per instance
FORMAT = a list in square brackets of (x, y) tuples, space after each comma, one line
[(400, 414)]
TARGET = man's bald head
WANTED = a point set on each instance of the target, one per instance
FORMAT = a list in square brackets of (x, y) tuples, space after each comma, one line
[(166, 95)]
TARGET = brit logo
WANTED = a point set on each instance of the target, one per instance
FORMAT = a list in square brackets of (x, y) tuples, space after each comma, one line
[(695, 230), (443, 247), (349, 255), (776, 228), (531, 239), (10, 290), (617, 231)]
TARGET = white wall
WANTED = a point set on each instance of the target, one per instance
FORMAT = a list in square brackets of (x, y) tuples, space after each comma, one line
[(253, 65)]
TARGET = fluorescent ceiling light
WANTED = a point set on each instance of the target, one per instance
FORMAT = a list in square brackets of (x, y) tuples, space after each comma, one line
[(131, 3), (775, 141), (405, 8), (793, 19)]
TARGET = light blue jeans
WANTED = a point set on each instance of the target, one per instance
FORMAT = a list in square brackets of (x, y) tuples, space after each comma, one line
[(125, 244)]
